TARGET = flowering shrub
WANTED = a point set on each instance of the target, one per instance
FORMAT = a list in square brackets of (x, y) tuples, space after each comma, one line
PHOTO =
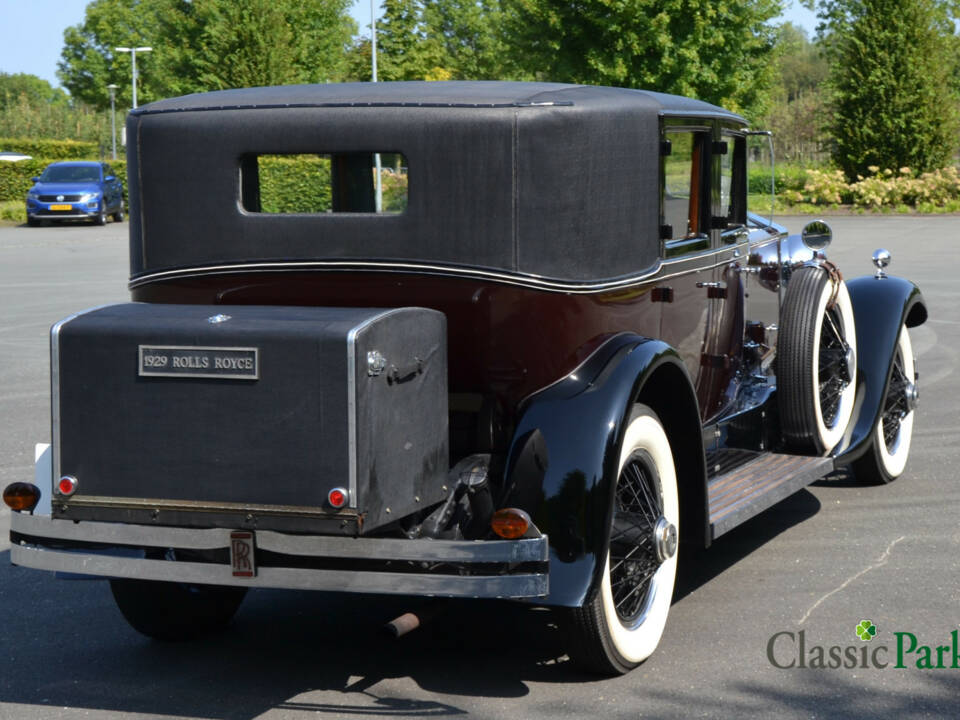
[(825, 187), (880, 189)]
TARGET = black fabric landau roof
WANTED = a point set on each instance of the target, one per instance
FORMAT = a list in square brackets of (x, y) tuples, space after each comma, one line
[(538, 179)]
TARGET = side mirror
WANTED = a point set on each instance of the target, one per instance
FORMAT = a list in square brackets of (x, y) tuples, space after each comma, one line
[(35, 179), (109, 178), (816, 235)]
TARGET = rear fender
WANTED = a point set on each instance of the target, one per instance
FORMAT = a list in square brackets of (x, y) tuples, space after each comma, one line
[(562, 463), (880, 307)]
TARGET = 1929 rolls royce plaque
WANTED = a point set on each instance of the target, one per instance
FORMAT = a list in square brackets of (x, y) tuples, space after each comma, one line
[(228, 363)]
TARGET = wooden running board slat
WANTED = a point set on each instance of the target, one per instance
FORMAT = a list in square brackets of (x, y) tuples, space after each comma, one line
[(751, 488)]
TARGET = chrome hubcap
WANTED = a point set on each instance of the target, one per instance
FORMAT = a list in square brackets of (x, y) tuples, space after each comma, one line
[(665, 539)]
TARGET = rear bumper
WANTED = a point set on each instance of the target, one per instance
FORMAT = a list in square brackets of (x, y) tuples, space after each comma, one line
[(442, 568)]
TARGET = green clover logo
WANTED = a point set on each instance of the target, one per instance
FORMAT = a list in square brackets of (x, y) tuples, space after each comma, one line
[(866, 630)]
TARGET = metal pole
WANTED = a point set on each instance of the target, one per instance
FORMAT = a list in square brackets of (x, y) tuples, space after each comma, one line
[(133, 57), (113, 119), (373, 41), (373, 62)]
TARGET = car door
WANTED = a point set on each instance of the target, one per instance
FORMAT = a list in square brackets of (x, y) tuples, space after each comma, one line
[(687, 246)]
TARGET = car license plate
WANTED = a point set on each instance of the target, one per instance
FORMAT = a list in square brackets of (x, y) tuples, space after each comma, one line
[(241, 554), (61, 207)]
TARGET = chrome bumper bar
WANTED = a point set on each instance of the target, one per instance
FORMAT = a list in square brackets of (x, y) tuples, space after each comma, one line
[(37, 541)]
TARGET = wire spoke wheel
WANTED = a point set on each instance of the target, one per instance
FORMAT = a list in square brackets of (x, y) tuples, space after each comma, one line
[(621, 625), (886, 458)]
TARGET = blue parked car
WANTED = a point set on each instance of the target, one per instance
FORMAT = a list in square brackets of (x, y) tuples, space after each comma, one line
[(76, 190)]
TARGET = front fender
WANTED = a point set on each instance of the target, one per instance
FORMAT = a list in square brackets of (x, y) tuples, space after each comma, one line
[(880, 307), (564, 455)]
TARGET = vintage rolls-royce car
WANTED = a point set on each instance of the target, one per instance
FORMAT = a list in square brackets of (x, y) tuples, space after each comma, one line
[(501, 340)]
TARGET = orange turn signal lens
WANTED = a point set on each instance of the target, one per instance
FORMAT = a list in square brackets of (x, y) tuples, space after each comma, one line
[(510, 523), (21, 496)]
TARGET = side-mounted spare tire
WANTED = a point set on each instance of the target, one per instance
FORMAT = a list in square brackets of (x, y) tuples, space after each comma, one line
[(816, 361)]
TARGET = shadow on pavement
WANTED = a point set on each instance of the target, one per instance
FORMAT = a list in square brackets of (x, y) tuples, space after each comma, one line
[(301, 651)]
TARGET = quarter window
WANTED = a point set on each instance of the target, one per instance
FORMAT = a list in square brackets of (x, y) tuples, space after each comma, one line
[(684, 205), (359, 182)]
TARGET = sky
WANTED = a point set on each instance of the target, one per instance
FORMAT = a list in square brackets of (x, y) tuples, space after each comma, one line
[(31, 31)]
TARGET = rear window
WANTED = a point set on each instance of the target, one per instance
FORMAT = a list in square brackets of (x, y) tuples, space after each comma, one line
[(362, 182)]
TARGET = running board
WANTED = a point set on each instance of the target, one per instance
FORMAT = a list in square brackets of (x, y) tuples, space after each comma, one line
[(750, 488)]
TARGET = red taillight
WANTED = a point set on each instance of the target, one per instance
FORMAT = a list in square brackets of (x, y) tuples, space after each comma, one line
[(337, 497), (67, 485)]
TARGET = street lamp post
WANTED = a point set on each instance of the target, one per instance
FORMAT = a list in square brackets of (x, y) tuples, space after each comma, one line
[(373, 60), (133, 59), (113, 118)]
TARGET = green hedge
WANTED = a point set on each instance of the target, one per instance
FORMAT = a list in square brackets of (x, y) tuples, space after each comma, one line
[(788, 177), (294, 184), (15, 176), (51, 149)]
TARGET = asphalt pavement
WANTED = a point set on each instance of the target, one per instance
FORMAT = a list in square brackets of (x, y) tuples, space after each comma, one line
[(818, 564)]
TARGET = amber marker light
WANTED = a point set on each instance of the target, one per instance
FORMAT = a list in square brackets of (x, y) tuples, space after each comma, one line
[(21, 496), (510, 523)]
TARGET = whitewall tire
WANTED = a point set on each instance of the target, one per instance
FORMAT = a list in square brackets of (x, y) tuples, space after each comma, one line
[(887, 457), (622, 624), (816, 361)]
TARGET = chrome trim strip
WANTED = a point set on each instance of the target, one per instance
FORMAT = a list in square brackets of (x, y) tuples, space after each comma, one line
[(104, 501), (55, 384), (477, 586), (661, 271), (481, 551), (352, 399), (120, 533)]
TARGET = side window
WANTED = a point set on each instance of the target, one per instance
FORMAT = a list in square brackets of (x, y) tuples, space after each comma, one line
[(684, 205), (733, 181)]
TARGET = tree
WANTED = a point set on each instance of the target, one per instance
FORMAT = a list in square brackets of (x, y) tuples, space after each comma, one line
[(403, 52), (201, 45), (802, 66), (32, 108), (891, 66), (797, 113), (35, 90), (442, 40), (713, 50)]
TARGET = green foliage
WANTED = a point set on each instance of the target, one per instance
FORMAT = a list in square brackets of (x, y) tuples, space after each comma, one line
[(881, 189), (203, 45), (802, 67), (891, 67), (13, 211), (788, 177), (798, 112), (440, 40), (15, 176), (51, 149), (30, 107), (715, 50), (35, 90), (294, 184), (301, 184)]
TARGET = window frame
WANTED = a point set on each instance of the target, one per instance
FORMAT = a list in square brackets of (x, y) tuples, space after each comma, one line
[(699, 241)]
